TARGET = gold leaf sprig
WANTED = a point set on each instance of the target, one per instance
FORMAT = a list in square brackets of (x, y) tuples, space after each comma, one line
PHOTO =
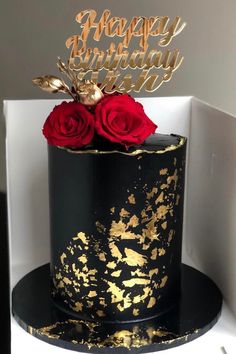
[(52, 84)]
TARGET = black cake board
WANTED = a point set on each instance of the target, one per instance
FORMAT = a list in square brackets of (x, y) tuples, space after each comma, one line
[(197, 310)]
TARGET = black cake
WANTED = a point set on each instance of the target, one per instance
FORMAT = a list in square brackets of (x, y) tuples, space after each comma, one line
[(116, 229)]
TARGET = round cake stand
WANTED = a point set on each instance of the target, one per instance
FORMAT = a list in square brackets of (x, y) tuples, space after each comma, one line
[(196, 312)]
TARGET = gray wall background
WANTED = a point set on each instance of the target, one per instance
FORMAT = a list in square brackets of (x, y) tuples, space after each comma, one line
[(33, 34)]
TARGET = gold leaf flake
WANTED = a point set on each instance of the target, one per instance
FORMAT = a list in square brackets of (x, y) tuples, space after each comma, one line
[(160, 198), (171, 234), (154, 254), (92, 293), (82, 237), (162, 210), (152, 302), (111, 265), (133, 222), (63, 256), (78, 306), (135, 312), (163, 281), (83, 259), (161, 251), (112, 210), (164, 225), (124, 213), (100, 227), (152, 193), (100, 313), (164, 186), (177, 199), (116, 273), (102, 256), (135, 281), (163, 171), (118, 229), (115, 252), (67, 281), (134, 258), (139, 273), (152, 272), (131, 199), (117, 293), (173, 178)]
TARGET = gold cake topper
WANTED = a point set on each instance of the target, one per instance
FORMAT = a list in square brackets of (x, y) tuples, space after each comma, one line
[(88, 61), (152, 67)]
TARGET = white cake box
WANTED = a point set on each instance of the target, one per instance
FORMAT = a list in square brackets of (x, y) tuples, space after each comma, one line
[(210, 206)]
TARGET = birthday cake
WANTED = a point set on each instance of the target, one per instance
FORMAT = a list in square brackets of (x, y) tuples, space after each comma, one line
[(116, 187), (116, 227)]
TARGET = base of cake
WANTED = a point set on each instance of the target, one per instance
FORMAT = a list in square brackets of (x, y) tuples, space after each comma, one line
[(196, 312)]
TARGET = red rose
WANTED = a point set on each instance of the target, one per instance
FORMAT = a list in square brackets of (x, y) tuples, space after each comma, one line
[(70, 124), (121, 119)]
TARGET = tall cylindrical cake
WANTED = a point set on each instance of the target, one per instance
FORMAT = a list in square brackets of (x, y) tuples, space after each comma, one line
[(116, 229)]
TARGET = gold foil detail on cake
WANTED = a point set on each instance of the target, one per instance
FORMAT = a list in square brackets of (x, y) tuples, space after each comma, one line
[(116, 274), (100, 227), (134, 258), (163, 281), (101, 313), (92, 293), (82, 237), (133, 240), (131, 199), (63, 256), (181, 142), (135, 312), (124, 213), (135, 281), (152, 193), (151, 302), (163, 171)]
